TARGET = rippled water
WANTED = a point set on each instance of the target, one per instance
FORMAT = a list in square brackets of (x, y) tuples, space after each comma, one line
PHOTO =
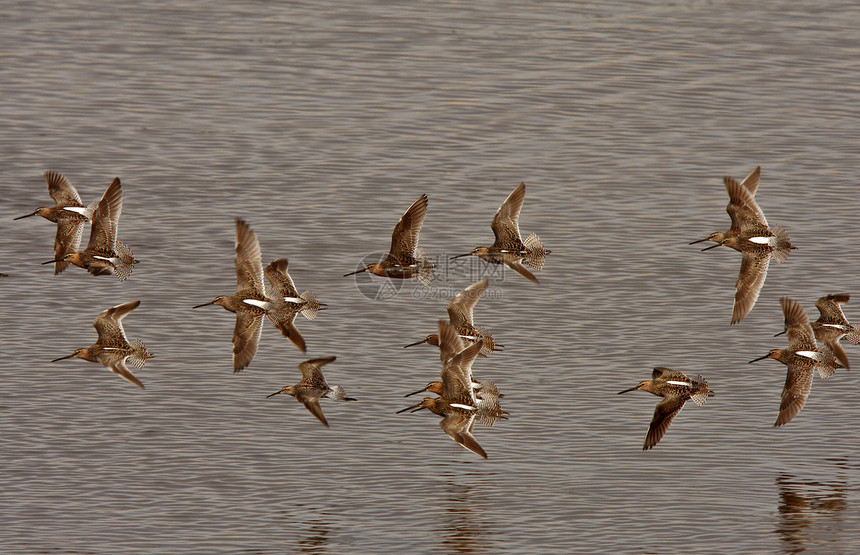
[(319, 123)]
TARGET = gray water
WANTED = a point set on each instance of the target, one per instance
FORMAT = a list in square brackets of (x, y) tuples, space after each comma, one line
[(320, 123)]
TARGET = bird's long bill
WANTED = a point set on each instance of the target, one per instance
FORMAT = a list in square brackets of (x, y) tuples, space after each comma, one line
[(460, 256), (760, 358), (355, 272), (416, 343), (414, 393), (712, 247), (699, 241), (419, 407), (26, 215), (273, 394), (204, 304), (63, 358), (628, 390), (778, 334), (52, 261)]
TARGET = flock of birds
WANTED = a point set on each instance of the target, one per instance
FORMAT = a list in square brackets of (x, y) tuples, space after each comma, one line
[(811, 347), (460, 400)]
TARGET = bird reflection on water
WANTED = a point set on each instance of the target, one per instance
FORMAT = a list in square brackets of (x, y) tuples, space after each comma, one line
[(811, 514)]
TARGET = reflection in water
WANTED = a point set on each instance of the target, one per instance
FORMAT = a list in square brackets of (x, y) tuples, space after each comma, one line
[(315, 539), (462, 528), (810, 512)]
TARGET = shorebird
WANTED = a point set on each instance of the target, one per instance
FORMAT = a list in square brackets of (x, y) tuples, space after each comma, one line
[(460, 316), (676, 389), (313, 386), (69, 213), (286, 302), (832, 326), (405, 259), (509, 248), (802, 358), (739, 213), (113, 349), (758, 243), (104, 255), (457, 402), (249, 303)]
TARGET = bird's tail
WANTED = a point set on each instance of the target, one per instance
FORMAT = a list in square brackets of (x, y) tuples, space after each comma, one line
[(140, 355), (311, 306), (853, 336), (488, 343), (426, 273), (702, 391), (826, 364), (338, 394), (124, 262), (783, 246), (537, 252)]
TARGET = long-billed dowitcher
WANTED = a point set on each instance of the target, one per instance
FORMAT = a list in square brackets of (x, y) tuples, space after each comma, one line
[(802, 359), (313, 386), (460, 314), (70, 215), (676, 388), (485, 394), (758, 243), (509, 248), (286, 302), (405, 258), (105, 255), (739, 213), (113, 348), (457, 402), (832, 325), (249, 303)]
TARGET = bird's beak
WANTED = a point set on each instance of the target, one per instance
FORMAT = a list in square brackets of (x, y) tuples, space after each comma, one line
[(712, 247), (204, 304), (778, 334), (760, 358), (460, 256), (414, 393), (699, 241), (410, 408), (273, 394), (63, 358), (416, 343), (52, 261), (631, 389), (355, 272), (26, 216)]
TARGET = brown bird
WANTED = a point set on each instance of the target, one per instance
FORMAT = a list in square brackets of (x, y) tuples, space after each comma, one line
[(405, 259), (457, 403), (509, 248), (249, 303), (286, 302), (758, 243), (113, 349), (70, 215), (832, 326), (105, 255), (738, 211), (460, 315), (676, 389), (313, 386), (802, 358)]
